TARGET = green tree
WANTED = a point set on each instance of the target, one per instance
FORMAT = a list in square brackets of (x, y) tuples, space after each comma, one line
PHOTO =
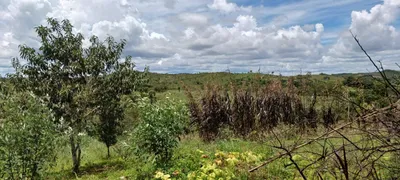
[(111, 114), (160, 127), (69, 77), (27, 136)]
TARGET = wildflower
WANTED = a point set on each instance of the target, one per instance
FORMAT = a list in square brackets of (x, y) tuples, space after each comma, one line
[(162, 176), (175, 173), (218, 162)]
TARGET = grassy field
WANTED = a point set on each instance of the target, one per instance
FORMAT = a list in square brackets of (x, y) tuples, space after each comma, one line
[(187, 158), (192, 155), (66, 105), (163, 82), (228, 157)]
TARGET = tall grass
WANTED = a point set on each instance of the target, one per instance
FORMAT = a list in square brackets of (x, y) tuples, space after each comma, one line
[(246, 110)]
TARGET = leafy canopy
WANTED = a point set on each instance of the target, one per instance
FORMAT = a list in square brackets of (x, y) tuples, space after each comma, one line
[(75, 80), (27, 136)]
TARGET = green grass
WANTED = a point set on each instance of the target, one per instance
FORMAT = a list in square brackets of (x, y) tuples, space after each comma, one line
[(196, 82), (186, 159), (172, 94), (95, 165)]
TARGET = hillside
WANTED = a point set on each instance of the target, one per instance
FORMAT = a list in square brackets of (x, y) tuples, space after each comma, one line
[(163, 82)]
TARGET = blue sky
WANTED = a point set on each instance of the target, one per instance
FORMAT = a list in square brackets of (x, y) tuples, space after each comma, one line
[(181, 36)]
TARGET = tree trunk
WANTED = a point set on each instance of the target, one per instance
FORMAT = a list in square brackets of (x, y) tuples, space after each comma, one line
[(76, 154), (108, 152), (35, 171)]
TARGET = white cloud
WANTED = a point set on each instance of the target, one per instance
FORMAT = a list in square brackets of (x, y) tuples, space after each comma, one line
[(17, 20), (189, 33), (128, 28), (193, 19), (242, 45), (92, 11), (6, 43), (374, 28), (7, 46), (198, 35), (247, 40), (225, 7), (21, 16), (245, 23), (170, 4), (376, 33), (176, 58)]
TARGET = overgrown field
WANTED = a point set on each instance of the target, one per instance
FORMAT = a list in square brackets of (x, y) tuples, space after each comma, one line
[(193, 158), (83, 113)]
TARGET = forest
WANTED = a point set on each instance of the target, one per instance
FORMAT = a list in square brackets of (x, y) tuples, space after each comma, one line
[(74, 112)]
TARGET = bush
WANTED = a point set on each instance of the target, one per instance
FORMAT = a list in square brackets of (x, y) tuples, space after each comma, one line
[(27, 137), (214, 115), (243, 118), (218, 165), (159, 130), (250, 111), (329, 117), (160, 88)]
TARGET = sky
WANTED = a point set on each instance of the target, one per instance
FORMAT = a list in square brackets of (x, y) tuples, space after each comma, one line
[(191, 36)]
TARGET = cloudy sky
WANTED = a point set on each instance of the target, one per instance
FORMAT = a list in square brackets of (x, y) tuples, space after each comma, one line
[(176, 36)]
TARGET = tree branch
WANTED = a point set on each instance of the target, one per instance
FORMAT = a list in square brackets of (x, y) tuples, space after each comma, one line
[(377, 68), (297, 147)]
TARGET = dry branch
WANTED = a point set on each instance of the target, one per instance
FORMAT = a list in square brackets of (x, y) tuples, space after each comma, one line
[(382, 73), (299, 146)]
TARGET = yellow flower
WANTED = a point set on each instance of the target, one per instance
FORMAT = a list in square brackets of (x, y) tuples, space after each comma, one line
[(200, 151), (158, 175), (232, 161), (161, 175), (233, 155), (296, 157), (212, 175), (191, 176), (219, 154), (209, 168), (218, 162), (386, 157), (250, 157), (166, 177), (175, 173)]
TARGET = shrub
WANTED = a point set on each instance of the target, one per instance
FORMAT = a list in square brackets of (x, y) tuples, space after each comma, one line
[(243, 118), (110, 125), (159, 130), (215, 113), (160, 88), (329, 117), (27, 137), (70, 77), (211, 113), (250, 110), (218, 165)]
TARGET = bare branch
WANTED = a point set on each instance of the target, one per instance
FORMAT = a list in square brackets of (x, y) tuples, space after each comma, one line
[(299, 146), (377, 68)]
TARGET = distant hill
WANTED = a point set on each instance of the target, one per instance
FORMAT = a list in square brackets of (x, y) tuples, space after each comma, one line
[(163, 82), (389, 73)]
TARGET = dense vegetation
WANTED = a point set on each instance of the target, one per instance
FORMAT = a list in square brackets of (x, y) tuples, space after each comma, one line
[(76, 112)]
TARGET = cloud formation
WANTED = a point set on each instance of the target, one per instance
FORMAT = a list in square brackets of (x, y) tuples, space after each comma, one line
[(227, 7), (192, 36), (376, 33)]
